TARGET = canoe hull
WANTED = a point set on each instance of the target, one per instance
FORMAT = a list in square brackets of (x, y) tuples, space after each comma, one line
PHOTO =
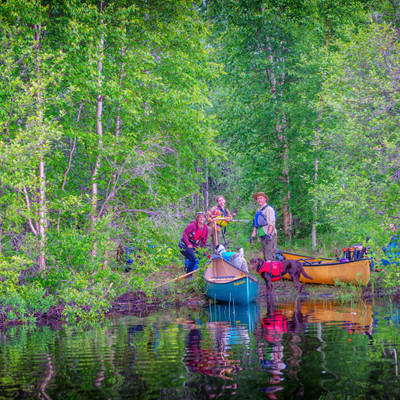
[(242, 291), (329, 272), (226, 283)]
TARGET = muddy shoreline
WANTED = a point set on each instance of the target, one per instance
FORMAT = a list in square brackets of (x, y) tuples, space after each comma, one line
[(139, 304)]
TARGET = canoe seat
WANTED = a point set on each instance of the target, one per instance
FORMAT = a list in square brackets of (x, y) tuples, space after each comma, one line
[(224, 277)]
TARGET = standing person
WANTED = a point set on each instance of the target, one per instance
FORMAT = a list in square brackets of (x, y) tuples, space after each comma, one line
[(217, 218), (194, 235), (264, 226)]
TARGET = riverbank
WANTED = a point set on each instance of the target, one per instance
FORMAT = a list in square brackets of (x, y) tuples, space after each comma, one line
[(171, 292)]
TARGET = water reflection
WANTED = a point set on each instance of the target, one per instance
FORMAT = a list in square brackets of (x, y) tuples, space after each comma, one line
[(275, 324), (242, 316), (309, 349), (227, 326)]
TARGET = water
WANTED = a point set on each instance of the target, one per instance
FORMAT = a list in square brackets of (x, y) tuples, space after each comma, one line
[(310, 350)]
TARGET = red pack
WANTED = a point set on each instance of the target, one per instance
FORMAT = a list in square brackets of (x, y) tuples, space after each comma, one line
[(274, 268)]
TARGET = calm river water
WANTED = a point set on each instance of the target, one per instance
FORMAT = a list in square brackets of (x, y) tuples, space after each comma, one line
[(310, 350)]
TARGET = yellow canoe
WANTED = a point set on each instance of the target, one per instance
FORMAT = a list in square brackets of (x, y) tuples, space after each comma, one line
[(329, 271)]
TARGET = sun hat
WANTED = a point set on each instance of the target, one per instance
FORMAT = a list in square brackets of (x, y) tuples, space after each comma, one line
[(199, 213), (255, 195)]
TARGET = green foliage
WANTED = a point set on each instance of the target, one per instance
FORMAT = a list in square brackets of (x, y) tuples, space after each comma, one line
[(20, 302), (120, 119), (84, 298), (349, 291), (359, 132), (388, 276)]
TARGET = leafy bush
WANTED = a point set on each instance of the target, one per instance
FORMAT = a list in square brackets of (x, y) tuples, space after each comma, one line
[(20, 302)]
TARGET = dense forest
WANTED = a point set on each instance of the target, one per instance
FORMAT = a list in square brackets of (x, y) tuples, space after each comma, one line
[(120, 119)]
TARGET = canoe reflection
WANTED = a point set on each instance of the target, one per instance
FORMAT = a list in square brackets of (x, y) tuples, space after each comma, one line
[(212, 361), (355, 318), (239, 315), (281, 325), (226, 327)]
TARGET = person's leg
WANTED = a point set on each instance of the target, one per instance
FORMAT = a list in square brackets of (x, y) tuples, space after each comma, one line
[(274, 244), (215, 239), (191, 256), (269, 248)]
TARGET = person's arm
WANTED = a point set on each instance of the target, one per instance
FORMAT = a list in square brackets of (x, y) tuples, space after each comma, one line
[(253, 235), (215, 214), (185, 235), (270, 214), (210, 219), (229, 217)]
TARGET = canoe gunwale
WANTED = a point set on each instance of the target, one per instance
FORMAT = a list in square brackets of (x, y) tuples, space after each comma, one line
[(329, 271), (229, 288), (243, 274), (338, 263), (224, 281)]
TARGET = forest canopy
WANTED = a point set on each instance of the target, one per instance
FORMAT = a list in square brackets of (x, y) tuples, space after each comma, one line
[(120, 119)]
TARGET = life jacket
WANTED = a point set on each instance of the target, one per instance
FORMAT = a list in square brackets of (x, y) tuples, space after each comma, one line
[(260, 219), (274, 268), (275, 325), (198, 236), (227, 255), (224, 213)]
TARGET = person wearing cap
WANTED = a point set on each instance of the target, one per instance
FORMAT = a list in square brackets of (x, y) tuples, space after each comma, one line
[(264, 226), (218, 218), (194, 235)]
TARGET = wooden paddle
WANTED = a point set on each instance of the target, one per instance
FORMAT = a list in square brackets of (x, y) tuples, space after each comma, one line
[(176, 279), (215, 236)]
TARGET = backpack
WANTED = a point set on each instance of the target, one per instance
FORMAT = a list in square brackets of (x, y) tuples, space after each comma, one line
[(260, 219)]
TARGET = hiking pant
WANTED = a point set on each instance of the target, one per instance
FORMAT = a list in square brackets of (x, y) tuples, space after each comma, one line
[(269, 248), (190, 255)]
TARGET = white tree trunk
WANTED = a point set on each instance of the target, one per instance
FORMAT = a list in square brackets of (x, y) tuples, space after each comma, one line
[(99, 131), (315, 216), (42, 173)]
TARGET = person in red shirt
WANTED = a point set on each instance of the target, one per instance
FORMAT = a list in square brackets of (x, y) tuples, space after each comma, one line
[(194, 235)]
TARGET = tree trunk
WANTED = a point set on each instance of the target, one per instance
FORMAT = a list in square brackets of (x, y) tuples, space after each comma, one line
[(42, 215), (206, 189), (315, 211), (42, 173), (118, 118), (287, 215), (315, 216), (99, 130), (280, 129)]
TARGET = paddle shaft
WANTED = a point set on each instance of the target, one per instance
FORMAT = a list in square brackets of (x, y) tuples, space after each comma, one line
[(215, 234), (176, 279)]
